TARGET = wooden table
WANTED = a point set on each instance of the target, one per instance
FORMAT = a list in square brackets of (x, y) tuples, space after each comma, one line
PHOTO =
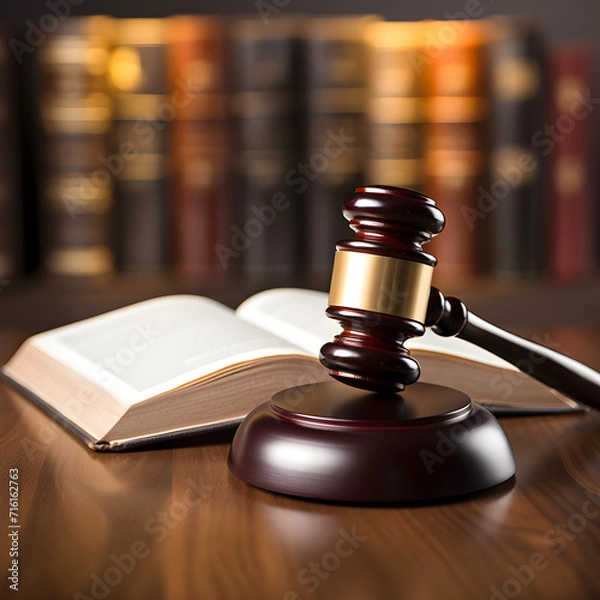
[(174, 523)]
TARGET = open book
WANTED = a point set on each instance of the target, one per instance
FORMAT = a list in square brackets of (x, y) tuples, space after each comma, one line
[(175, 365)]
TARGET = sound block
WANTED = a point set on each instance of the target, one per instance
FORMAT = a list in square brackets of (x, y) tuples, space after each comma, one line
[(329, 441)]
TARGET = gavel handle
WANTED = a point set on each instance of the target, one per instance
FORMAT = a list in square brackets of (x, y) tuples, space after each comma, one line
[(450, 317)]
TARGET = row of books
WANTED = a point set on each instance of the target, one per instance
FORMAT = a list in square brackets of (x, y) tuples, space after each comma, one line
[(202, 144)]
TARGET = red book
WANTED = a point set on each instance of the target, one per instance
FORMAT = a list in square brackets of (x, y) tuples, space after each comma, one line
[(571, 186), (199, 143)]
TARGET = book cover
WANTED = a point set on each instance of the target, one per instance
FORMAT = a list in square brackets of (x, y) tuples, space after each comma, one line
[(267, 225), (516, 222), (143, 112), (334, 94), (11, 206), (571, 177), (76, 116), (200, 143), (455, 157), (396, 104)]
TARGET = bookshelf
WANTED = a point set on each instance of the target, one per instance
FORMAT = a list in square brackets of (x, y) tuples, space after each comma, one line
[(518, 302)]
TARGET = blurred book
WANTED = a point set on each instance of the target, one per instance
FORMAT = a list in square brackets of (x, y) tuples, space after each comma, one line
[(143, 110), (335, 66), (514, 206), (571, 171), (268, 221), (395, 106), (11, 207), (456, 108), (200, 143), (76, 116)]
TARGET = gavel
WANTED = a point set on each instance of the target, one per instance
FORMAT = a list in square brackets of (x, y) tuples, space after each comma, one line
[(385, 272), (373, 434)]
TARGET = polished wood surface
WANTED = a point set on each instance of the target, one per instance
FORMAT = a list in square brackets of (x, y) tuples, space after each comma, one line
[(195, 531)]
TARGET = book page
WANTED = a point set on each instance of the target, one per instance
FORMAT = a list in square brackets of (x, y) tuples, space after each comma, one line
[(298, 316), (154, 346)]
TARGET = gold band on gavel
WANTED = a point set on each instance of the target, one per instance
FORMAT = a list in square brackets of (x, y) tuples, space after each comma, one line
[(381, 284)]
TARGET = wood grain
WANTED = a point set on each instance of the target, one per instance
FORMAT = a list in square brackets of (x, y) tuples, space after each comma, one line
[(207, 535)]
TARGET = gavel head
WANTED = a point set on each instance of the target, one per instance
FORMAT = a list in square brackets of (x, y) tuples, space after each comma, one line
[(380, 287)]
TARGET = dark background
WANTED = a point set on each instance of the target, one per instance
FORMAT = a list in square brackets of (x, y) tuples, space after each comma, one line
[(564, 20)]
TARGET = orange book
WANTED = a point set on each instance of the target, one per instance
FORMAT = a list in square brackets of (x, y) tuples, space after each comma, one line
[(455, 163)]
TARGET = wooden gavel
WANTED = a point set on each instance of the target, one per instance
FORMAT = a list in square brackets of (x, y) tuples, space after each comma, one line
[(380, 293), (373, 432)]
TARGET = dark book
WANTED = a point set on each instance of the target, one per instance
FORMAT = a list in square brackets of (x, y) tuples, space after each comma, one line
[(396, 104), (455, 142), (571, 178), (143, 111), (75, 111), (11, 208), (269, 189), (200, 144), (334, 93), (517, 214)]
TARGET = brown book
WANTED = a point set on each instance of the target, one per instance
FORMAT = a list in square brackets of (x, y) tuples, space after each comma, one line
[(266, 233), (334, 90), (455, 154), (11, 238), (143, 111), (76, 116), (200, 146), (571, 175), (396, 104)]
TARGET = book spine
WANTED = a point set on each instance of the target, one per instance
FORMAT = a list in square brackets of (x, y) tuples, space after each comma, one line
[(267, 225), (11, 241), (143, 111), (75, 116), (334, 100), (517, 218), (571, 181), (396, 104), (455, 164), (200, 144)]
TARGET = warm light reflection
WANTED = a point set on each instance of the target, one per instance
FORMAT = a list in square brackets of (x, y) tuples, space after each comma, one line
[(125, 69), (314, 456)]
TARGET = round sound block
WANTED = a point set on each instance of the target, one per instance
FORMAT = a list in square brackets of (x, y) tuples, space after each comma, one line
[(329, 441)]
